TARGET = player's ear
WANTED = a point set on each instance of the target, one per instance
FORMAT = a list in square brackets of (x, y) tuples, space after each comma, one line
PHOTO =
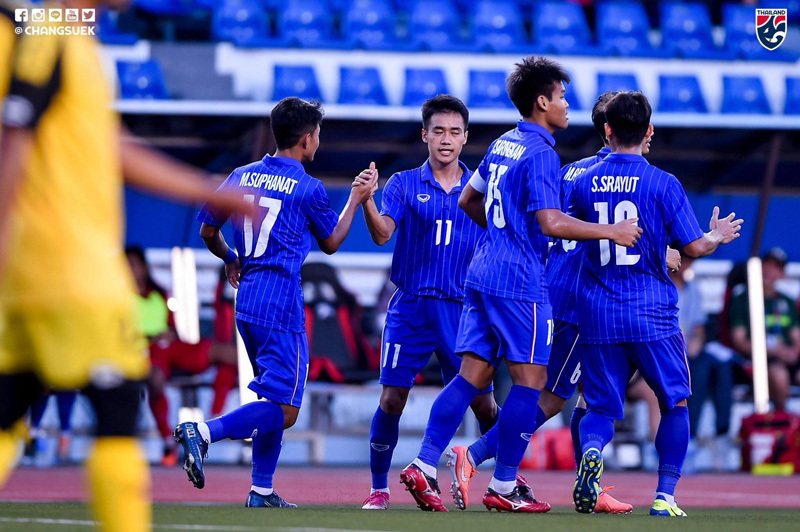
[(424, 136), (609, 133), (466, 136), (649, 131), (306, 140), (542, 101)]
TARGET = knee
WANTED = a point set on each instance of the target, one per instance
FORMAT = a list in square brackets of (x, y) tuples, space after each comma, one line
[(289, 416), (484, 407), (393, 400)]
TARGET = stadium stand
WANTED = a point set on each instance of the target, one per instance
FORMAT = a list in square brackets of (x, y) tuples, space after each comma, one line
[(497, 27), (488, 89), (307, 24), (616, 82), (361, 86), (562, 29), (435, 26), (371, 24), (686, 28), (242, 22), (681, 94), (423, 83), (792, 105), (295, 80), (744, 95), (143, 80), (623, 29)]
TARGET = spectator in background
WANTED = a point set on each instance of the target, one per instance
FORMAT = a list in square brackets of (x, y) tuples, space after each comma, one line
[(167, 351), (65, 401), (783, 329)]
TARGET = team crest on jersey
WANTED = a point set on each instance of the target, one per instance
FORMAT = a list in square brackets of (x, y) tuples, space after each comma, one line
[(423, 197), (771, 27)]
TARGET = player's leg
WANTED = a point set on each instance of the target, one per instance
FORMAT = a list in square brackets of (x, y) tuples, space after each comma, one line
[(17, 393), (65, 401), (665, 367), (383, 436)]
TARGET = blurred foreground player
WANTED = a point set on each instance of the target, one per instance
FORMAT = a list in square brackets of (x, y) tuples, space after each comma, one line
[(292, 207), (628, 315), (66, 319), (435, 243)]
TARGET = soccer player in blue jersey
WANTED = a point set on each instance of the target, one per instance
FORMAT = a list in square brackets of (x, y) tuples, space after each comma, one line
[(628, 310), (292, 207), (435, 242), (506, 310)]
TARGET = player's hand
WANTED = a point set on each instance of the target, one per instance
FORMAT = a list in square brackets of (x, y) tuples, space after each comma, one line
[(233, 272), (365, 184), (673, 259), (626, 232), (726, 228)]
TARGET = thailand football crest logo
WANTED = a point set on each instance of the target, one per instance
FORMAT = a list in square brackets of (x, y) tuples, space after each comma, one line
[(771, 27)]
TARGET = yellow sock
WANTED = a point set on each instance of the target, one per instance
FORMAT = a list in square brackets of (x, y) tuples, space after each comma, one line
[(120, 481), (10, 448)]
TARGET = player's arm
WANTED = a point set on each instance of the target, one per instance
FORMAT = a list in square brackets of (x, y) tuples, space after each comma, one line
[(556, 224), (722, 231), (215, 242), (15, 144), (360, 191), (471, 202), (381, 227), (147, 168)]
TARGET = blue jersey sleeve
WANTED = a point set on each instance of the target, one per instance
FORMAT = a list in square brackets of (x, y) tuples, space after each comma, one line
[(543, 181), (209, 215), (392, 203), (679, 216), (322, 219)]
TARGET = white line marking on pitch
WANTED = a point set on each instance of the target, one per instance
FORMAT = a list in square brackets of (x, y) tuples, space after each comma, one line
[(76, 522)]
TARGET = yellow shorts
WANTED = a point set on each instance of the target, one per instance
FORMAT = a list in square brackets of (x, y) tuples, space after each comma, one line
[(68, 349)]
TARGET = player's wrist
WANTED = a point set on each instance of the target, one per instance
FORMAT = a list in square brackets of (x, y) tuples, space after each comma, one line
[(230, 257)]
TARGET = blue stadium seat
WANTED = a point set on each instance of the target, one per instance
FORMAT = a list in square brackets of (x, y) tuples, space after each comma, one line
[(792, 7), (623, 28), (295, 80), (435, 26), (488, 89), (681, 94), (242, 22), (108, 31), (422, 84), (686, 29), (306, 23), (561, 28), (174, 8), (141, 80), (361, 86), (497, 26), (740, 36), (744, 95), (792, 106), (370, 24), (616, 82)]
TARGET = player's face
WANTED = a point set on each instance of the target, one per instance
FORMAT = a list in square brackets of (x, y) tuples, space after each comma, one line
[(772, 272), (445, 137), (312, 143), (647, 139), (556, 114)]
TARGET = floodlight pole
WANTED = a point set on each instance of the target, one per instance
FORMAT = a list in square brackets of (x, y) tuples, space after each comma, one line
[(766, 192)]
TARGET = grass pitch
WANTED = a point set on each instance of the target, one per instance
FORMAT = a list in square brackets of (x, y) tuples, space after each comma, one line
[(23, 517)]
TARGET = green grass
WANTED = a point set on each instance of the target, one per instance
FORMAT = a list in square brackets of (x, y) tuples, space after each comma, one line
[(219, 518)]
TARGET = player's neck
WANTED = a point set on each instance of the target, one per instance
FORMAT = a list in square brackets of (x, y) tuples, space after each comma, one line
[(540, 120), (447, 175), (291, 153), (629, 150)]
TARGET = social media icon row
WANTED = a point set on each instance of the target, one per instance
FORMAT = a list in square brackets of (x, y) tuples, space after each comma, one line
[(55, 15)]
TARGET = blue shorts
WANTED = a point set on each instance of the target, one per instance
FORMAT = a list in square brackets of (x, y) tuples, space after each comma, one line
[(495, 328), (280, 363), (608, 368), (416, 327), (564, 368)]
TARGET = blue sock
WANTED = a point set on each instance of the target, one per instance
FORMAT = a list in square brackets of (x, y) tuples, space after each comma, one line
[(486, 446), (515, 429), (672, 441), (382, 440), (596, 431), (266, 450), (574, 428), (65, 402), (261, 416), (37, 411), (446, 415), (486, 425)]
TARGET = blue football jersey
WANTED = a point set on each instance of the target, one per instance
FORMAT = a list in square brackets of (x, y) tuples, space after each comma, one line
[(292, 207), (519, 176), (626, 294), (564, 262), (435, 239)]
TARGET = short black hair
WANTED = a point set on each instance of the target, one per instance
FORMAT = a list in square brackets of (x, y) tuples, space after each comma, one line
[(443, 103), (533, 77), (599, 112), (292, 118), (628, 116)]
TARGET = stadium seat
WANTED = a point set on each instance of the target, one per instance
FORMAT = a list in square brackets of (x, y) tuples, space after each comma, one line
[(623, 28), (306, 23), (141, 80), (497, 26), (370, 24), (435, 26), (792, 7), (744, 95), (295, 80), (616, 82), (686, 29), (108, 31), (561, 28), (792, 106), (361, 86), (488, 89), (243, 22), (170, 8), (740, 30), (681, 94), (422, 84)]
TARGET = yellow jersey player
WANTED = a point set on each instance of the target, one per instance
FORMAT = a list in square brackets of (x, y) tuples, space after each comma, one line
[(66, 320)]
